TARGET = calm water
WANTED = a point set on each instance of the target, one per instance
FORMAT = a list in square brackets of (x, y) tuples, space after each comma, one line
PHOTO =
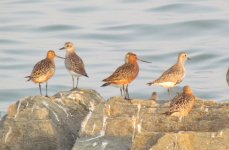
[(104, 32)]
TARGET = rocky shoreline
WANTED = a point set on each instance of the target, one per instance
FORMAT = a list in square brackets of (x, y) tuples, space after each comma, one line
[(83, 120)]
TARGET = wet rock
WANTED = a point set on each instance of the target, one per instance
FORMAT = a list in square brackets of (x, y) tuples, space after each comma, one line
[(41, 123)]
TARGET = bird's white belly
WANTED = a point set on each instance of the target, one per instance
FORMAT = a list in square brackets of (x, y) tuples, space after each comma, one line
[(74, 73), (167, 84)]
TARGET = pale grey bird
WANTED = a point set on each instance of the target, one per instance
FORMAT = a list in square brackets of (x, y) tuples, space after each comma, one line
[(73, 63), (174, 75)]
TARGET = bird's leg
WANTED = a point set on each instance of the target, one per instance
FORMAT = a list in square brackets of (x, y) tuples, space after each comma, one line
[(77, 82), (127, 93), (46, 89), (40, 88), (124, 92), (73, 82), (169, 93), (121, 91)]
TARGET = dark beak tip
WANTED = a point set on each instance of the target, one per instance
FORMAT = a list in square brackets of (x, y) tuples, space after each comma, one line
[(62, 48)]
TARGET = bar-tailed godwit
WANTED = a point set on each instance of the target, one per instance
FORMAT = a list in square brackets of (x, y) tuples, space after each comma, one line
[(44, 70), (73, 63), (174, 75), (124, 74), (182, 104)]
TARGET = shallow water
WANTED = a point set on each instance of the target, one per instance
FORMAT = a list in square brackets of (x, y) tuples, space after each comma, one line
[(104, 32)]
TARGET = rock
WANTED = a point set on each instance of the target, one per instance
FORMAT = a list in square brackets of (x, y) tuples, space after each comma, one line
[(191, 140), (41, 123), (142, 125), (82, 120)]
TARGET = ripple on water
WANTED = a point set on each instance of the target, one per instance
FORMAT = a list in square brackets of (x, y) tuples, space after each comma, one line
[(8, 41), (81, 9), (56, 27), (171, 31), (183, 8)]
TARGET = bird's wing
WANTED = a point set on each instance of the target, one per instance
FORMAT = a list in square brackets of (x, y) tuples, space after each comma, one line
[(41, 68), (123, 72), (76, 64), (182, 101), (173, 74)]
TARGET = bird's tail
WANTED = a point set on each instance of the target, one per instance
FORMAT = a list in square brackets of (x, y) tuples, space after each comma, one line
[(29, 78), (105, 84), (86, 75), (168, 113), (150, 83)]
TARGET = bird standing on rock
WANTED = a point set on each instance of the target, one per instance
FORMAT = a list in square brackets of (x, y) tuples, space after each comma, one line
[(174, 75), (73, 63), (125, 74), (182, 104), (44, 70)]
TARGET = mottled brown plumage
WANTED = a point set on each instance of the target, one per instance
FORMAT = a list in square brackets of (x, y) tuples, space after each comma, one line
[(73, 63), (43, 70), (182, 104), (174, 75)]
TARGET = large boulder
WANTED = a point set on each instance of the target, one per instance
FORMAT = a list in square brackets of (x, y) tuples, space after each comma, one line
[(82, 120), (42, 123), (141, 124)]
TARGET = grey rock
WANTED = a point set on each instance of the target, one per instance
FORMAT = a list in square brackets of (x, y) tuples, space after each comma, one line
[(41, 123), (147, 127), (82, 120)]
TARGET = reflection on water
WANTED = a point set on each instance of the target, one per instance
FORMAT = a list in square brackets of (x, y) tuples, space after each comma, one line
[(104, 32)]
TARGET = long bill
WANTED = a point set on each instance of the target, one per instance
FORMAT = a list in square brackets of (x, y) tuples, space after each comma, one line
[(60, 57), (144, 61), (62, 48), (189, 58)]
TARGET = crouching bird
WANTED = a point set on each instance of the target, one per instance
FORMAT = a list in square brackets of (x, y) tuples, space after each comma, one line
[(182, 104)]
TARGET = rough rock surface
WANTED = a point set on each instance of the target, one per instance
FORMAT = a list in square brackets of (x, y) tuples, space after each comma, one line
[(40, 123), (141, 124), (84, 118)]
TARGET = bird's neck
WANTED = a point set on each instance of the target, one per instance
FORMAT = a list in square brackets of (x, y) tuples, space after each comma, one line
[(180, 62), (70, 52), (51, 59), (132, 61), (188, 93), (135, 63)]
